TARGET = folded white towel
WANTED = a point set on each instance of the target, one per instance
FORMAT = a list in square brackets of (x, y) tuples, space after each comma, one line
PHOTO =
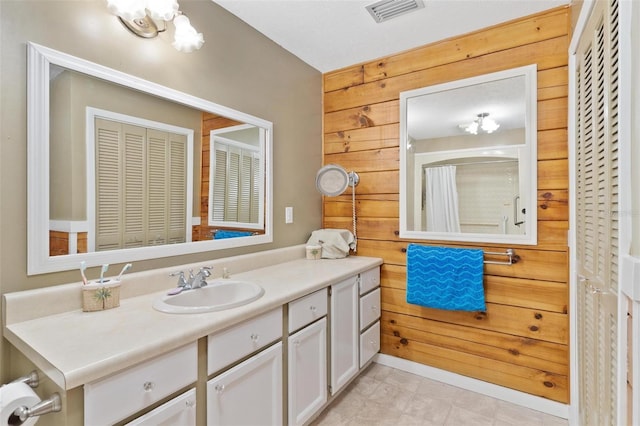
[(335, 242)]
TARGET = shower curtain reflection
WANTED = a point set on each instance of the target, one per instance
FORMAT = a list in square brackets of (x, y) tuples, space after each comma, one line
[(441, 199)]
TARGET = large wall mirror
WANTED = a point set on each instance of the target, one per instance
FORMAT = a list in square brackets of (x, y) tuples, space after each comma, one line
[(117, 160), (468, 159)]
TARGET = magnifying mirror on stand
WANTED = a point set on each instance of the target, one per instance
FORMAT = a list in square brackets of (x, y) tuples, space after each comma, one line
[(332, 180)]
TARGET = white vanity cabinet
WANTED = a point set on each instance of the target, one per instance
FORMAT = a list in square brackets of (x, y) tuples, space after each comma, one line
[(307, 357), (121, 395), (345, 333), (249, 393), (181, 410), (369, 289)]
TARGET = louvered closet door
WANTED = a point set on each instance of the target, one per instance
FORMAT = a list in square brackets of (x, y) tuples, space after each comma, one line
[(109, 140), (157, 184), (141, 190), (596, 211), (133, 164), (177, 220)]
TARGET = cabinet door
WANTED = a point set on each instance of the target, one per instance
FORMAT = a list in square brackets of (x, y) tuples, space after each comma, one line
[(369, 343), (248, 394), (307, 371), (344, 332), (179, 411)]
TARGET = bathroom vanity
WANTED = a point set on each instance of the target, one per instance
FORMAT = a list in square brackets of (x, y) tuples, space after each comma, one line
[(277, 360)]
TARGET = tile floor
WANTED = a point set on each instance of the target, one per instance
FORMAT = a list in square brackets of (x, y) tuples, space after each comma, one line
[(383, 395)]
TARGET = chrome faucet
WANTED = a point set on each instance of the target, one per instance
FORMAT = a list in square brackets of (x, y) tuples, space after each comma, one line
[(200, 279), (182, 282), (194, 281)]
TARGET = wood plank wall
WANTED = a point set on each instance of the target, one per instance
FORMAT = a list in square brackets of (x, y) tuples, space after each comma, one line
[(521, 342)]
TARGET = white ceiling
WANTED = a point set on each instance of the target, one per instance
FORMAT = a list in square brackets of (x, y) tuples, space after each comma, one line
[(333, 34)]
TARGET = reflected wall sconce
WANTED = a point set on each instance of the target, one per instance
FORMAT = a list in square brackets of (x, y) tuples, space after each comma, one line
[(141, 17), (483, 122)]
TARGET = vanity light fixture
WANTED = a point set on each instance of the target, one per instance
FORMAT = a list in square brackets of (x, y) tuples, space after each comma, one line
[(483, 122), (141, 17)]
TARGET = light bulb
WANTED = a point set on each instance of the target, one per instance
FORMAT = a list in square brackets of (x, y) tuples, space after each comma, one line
[(186, 38), (162, 9), (472, 128), (489, 126), (127, 9)]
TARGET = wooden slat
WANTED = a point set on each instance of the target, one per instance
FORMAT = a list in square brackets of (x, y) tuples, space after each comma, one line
[(533, 264), (553, 144), (370, 228), (553, 235), (346, 77), (505, 37), (529, 380), (552, 114), (390, 88), (525, 293), (504, 347), (362, 116), (364, 208), (553, 174), (362, 139), (385, 182), (517, 321), (553, 77), (553, 205), (367, 161)]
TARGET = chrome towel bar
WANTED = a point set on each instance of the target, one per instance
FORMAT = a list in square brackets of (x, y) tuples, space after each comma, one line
[(510, 253)]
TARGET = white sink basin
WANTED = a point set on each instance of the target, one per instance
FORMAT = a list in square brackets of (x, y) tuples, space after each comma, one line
[(217, 296)]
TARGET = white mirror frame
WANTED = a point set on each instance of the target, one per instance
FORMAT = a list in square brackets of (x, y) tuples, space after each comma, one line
[(39, 261), (529, 170)]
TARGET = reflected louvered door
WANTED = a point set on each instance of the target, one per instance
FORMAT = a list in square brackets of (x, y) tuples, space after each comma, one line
[(177, 224), (233, 184), (596, 214), (108, 144), (219, 183), (157, 185), (256, 177), (133, 164)]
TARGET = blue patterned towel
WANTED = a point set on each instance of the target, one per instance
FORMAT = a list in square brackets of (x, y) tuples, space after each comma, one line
[(221, 234), (445, 278)]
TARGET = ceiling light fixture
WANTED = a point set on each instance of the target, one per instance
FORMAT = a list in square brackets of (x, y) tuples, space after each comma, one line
[(483, 122), (141, 17)]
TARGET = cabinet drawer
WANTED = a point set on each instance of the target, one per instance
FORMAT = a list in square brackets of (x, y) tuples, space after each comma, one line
[(369, 343), (369, 308), (239, 341), (180, 410), (112, 399), (307, 309), (369, 280)]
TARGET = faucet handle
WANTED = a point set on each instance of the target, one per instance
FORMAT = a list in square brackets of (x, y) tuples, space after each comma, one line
[(205, 271), (182, 282)]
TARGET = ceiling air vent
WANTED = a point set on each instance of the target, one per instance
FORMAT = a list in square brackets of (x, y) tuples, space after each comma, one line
[(388, 9)]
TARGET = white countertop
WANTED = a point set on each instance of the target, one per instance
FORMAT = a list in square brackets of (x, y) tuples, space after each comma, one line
[(75, 347)]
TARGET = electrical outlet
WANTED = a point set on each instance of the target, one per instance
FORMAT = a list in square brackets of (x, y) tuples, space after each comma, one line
[(288, 215)]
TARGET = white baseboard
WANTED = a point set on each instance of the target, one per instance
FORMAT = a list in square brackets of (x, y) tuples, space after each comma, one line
[(499, 392)]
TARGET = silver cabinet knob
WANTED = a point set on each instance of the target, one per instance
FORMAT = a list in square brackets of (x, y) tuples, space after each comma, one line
[(255, 337), (148, 386), (219, 388)]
